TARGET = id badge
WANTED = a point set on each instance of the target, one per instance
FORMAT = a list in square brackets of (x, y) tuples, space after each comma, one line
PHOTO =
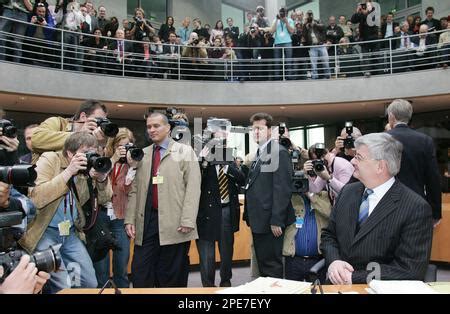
[(64, 228), (299, 222), (158, 180)]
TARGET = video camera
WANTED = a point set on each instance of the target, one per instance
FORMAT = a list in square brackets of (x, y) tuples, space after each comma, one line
[(349, 142), (109, 129), (100, 164), (219, 153), (135, 153), (300, 182), (179, 127), (8, 129), (18, 175), (318, 164), (47, 260)]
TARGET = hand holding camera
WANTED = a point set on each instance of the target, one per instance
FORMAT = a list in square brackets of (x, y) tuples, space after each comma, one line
[(89, 126), (99, 176), (24, 279), (77, 164)]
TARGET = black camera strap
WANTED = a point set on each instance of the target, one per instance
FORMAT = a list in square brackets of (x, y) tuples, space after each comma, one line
[(93, 193)]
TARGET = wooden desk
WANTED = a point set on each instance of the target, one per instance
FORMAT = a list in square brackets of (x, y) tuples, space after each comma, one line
[(327, 289), (441, 236)]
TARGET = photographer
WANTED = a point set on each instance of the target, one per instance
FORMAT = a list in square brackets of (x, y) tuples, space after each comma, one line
[(326, 171), (369, 22), (141, 27), (260, 19), (113, 213), (282, 28), (344, 146), (59, 195), (219, 212), (24, 279), (53, 132), (314, 33), (43, 29), (196, 55)]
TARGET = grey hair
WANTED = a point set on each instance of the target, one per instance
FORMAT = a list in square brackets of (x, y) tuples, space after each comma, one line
[(382, 146), (403, 24), (401, 109)]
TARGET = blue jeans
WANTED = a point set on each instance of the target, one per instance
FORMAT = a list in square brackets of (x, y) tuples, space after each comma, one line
[(12, 27), (277, 54), (316, 54), (76, 269), (120, 256)]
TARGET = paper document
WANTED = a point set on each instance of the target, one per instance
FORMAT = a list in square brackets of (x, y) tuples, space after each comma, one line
[(269, 285), (399, 287)]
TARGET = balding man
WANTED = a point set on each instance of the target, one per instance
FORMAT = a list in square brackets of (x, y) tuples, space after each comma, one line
[(162, 209), (379, 228), (419, 170)]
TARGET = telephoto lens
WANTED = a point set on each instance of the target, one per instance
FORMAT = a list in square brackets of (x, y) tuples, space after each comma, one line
[(135, 153), (18, 175), (100, 164)]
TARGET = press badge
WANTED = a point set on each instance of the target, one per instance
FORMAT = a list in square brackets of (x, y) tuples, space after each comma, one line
[(64, 228), (158, 180), (299, 222)]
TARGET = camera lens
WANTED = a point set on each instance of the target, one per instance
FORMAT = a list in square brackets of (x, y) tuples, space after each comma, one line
[(18, 175), (137, 154)]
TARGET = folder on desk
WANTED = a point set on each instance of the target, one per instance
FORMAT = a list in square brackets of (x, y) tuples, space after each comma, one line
[(269, 285), (399, 287)]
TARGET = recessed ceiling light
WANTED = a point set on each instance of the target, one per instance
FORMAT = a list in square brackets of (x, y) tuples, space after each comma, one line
[(23, 98), (282, 108), (120, 106), (203, 108)]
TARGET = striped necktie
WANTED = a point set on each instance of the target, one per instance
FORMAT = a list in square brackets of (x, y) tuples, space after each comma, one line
[(364, 208), (223, 185)]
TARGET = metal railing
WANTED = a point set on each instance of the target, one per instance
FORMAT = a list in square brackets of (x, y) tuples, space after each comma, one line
[(75, 51)]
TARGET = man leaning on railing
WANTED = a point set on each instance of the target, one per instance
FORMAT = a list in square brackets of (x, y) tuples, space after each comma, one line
[(16, 11)]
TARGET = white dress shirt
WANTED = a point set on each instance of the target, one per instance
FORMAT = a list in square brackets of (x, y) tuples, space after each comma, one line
[(378, 193)]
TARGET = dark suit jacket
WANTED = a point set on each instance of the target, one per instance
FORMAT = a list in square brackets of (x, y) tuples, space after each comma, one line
[(269, 190), (397, 235), (419, 170), (209, 218), (167, 50), (429, 40), (384, 26)]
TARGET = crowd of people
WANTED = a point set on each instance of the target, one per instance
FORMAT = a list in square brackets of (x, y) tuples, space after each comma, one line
[(95, 190), (94, 42)]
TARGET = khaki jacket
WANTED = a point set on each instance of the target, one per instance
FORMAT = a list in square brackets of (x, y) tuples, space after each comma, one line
[(178, 195), (50, 135), (48, 193), (322, 206)]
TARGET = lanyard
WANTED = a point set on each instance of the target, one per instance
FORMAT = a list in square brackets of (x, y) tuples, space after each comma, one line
[(70, 196)]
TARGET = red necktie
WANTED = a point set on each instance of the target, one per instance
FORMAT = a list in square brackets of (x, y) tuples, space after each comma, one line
[(155, 169)]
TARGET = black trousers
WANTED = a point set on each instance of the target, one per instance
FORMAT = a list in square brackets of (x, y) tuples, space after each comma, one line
[(268, 251), (159, 266)]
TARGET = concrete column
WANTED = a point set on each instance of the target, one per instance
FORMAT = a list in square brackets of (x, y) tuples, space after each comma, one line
[(272, 7)]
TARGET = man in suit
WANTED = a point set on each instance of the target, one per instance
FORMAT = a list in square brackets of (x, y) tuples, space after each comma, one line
[(268, 208), (162, 209), (419, 170), (232, 30), (425, 49), (387, 29), (218, 218), (379, 228)]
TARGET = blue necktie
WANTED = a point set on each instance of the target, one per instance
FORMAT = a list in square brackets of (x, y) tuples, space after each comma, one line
[(364, 208)]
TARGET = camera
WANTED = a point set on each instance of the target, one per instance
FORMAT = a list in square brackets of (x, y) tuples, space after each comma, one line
[(109, 129), (282, 14), (138, 21), (300, 183), (100, 164), (349, 142), (253, 30), (40, 19), (135, 153), (363, 5), (8, 129), (178, 126), (195, 42), (318, 164), (47, 260), (18, 175), (219, 153), (284, 141)]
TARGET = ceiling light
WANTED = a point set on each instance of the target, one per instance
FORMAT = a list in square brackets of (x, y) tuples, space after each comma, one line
[(22, 98), (282, 108), (120, 106)]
